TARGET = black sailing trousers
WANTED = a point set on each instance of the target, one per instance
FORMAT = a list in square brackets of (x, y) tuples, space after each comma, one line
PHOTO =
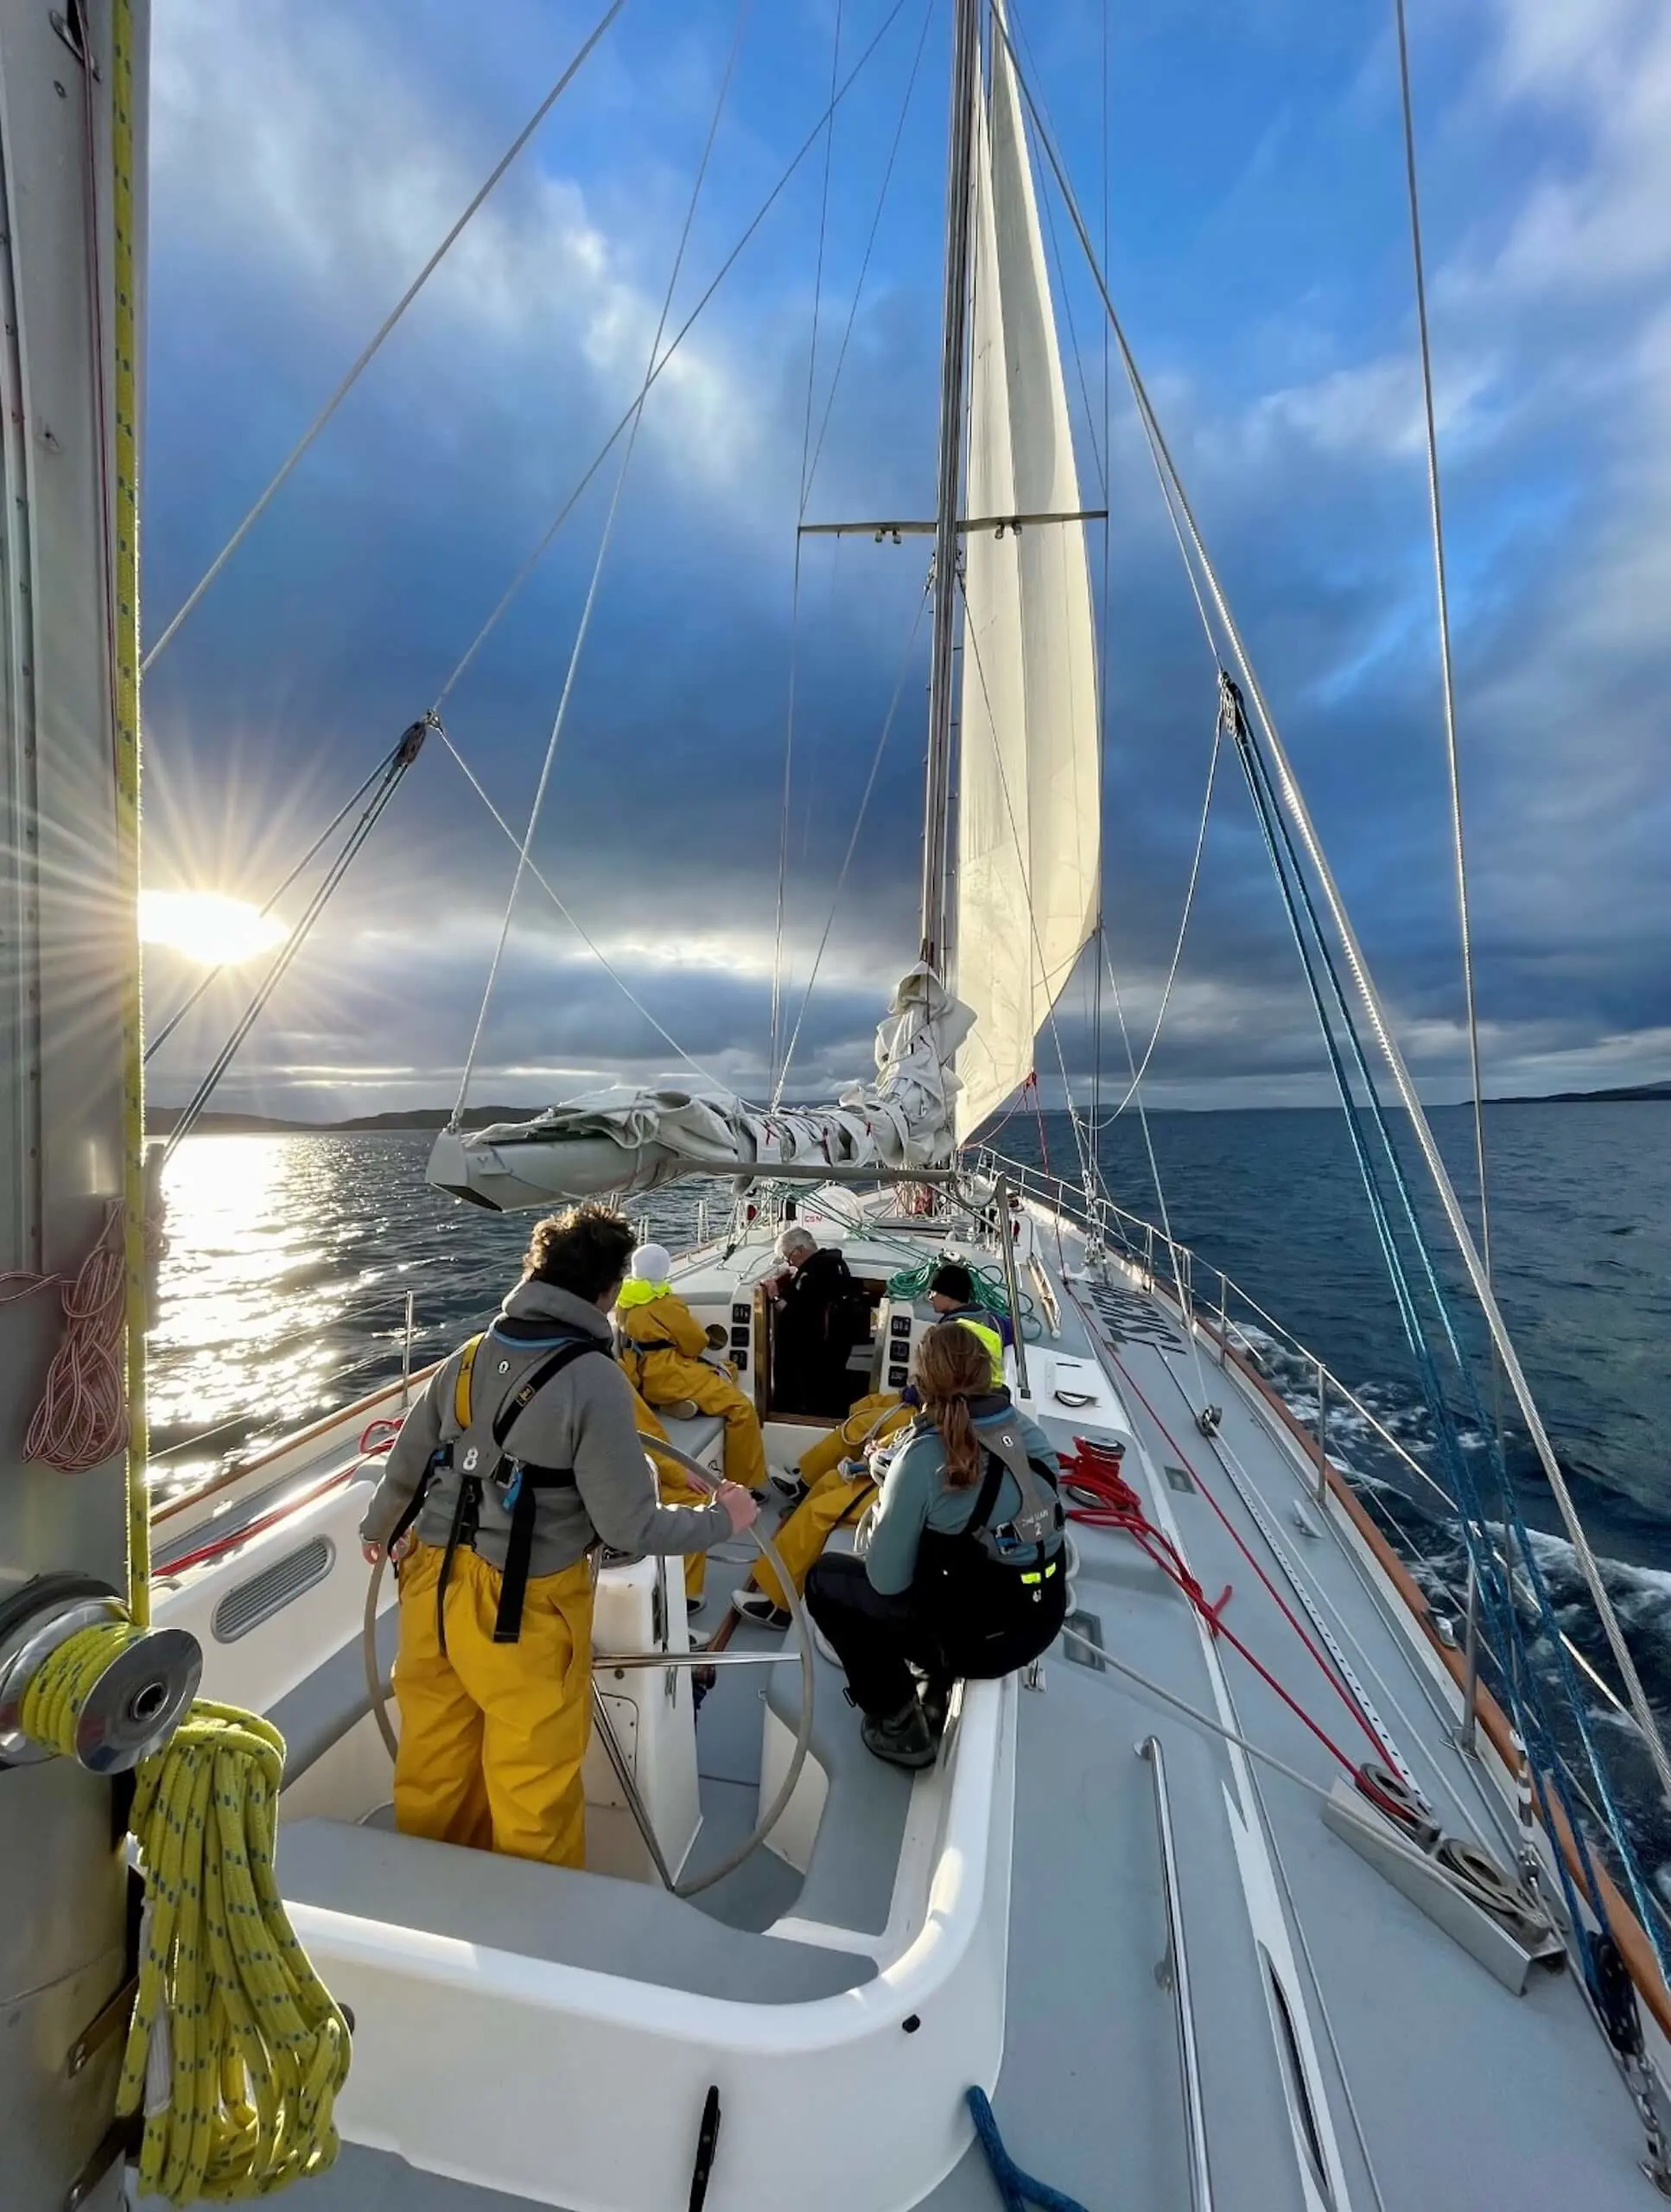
[(879, 1639)]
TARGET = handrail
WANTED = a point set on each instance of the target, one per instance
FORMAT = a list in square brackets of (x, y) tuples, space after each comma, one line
[(1068, 1199), (1173, 1974), (1007, 1245)]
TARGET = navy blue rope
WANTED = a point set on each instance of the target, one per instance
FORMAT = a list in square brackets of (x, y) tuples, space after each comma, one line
[(1017, 2189)]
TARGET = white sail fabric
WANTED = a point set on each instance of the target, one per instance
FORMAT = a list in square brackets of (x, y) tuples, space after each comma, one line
[(621, 1140), (1029, 802)]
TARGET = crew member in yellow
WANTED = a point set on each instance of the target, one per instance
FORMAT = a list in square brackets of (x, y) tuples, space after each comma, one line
[(666, 1352), (520, 1458), (677, 1488), (837, 1486)]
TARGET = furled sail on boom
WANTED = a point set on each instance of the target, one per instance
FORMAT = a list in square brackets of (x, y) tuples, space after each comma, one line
[(1029, 806), (620, 1141)]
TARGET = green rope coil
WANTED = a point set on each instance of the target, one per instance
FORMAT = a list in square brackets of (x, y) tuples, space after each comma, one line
[(991, 1293), (236, 2050)]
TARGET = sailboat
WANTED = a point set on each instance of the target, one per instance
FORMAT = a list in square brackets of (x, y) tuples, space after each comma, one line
[(1272, 1884)]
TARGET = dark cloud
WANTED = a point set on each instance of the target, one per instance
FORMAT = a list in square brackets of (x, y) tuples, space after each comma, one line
[(301, 177)]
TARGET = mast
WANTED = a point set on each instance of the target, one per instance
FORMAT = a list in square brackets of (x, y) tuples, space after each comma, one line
[(965, 61)]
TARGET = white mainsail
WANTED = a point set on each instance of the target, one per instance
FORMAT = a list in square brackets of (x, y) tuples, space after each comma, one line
[(1029, 803)]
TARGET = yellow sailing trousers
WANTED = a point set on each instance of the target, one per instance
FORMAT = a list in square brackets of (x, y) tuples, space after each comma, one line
[(744, 1447), (493, 1736), (675, 1488), (833, 1500), (870, 1420)]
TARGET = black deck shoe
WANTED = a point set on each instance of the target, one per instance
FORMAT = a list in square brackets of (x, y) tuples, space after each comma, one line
[(755, 1605), (902, 1738)]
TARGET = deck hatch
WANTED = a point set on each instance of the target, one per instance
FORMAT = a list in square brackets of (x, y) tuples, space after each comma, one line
[(270, 1592), (1089, 1626), (1179, 1477)]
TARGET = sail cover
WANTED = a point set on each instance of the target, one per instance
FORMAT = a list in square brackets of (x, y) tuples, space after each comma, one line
[(617, 1141), (1029, 806)]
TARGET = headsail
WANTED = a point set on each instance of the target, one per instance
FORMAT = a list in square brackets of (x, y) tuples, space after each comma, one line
[(1029, 805)]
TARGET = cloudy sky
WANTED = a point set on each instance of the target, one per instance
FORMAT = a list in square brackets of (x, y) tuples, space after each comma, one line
[(1245, 156)]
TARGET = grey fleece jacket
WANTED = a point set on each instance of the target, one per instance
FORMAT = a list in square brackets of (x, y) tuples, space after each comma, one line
[(582, 1419)]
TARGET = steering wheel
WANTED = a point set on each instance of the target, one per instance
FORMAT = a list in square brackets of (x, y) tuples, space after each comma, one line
[(693, 1885)]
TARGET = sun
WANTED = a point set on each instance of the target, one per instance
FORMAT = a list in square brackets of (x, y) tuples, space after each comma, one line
[(207, 927)]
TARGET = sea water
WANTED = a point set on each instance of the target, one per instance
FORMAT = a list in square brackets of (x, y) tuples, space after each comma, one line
[(290, 1259)]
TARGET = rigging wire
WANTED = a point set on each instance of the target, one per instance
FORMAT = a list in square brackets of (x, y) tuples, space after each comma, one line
[(388, 324), (573, 920), (870, 244), (402, 759), (591, 600), (1549, 1766), (502, 605), (162, 1035), (795, 583), (1148, 1141), (1142, 1070), (1447, 679), (1446, 669), (779, 1073), (1106, 593), (851, 843), (1294, 803)]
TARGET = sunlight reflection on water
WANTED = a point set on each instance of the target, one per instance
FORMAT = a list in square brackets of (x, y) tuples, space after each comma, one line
[(283, 1286)]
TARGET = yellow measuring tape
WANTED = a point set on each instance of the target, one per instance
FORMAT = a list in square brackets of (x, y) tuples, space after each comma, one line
[(236, 2052), (125, 588)]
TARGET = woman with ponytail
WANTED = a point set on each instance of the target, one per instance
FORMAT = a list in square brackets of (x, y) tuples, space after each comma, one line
[(965, 1571)]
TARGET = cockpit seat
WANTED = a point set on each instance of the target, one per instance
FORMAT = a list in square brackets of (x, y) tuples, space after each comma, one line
[(698, 1438), (554, 1913), (849, 1874)]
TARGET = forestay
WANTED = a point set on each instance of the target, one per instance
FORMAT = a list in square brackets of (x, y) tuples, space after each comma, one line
[(1029, 799), (620, 1141)]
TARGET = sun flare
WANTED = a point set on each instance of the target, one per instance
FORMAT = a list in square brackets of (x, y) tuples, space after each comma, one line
[(207, 927)]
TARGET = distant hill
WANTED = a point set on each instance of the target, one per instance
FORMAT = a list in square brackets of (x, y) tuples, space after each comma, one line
[(1637, 1091), (160, 1120)]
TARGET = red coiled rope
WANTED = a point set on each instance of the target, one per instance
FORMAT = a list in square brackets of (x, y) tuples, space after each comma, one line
[(1094, 1469), (1382, 1750), (82, 1418)]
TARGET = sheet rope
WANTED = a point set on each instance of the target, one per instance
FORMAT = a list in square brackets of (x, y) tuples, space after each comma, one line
[(237, 2050)]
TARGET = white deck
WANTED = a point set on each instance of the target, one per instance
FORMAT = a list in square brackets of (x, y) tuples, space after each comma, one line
[(1350, 2052)]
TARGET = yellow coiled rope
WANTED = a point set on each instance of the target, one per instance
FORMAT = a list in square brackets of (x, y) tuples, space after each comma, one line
[(237, 2050)]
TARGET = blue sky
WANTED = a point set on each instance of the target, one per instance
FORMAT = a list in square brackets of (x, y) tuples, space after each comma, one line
[(307, 157)]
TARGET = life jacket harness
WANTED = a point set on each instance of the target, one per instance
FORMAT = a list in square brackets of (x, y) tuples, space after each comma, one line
[(633, 1351), (981, 1580), (979, 1327), (518, 1483)]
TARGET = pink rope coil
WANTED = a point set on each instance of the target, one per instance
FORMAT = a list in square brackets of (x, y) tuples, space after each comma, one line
[(82, 1418)]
